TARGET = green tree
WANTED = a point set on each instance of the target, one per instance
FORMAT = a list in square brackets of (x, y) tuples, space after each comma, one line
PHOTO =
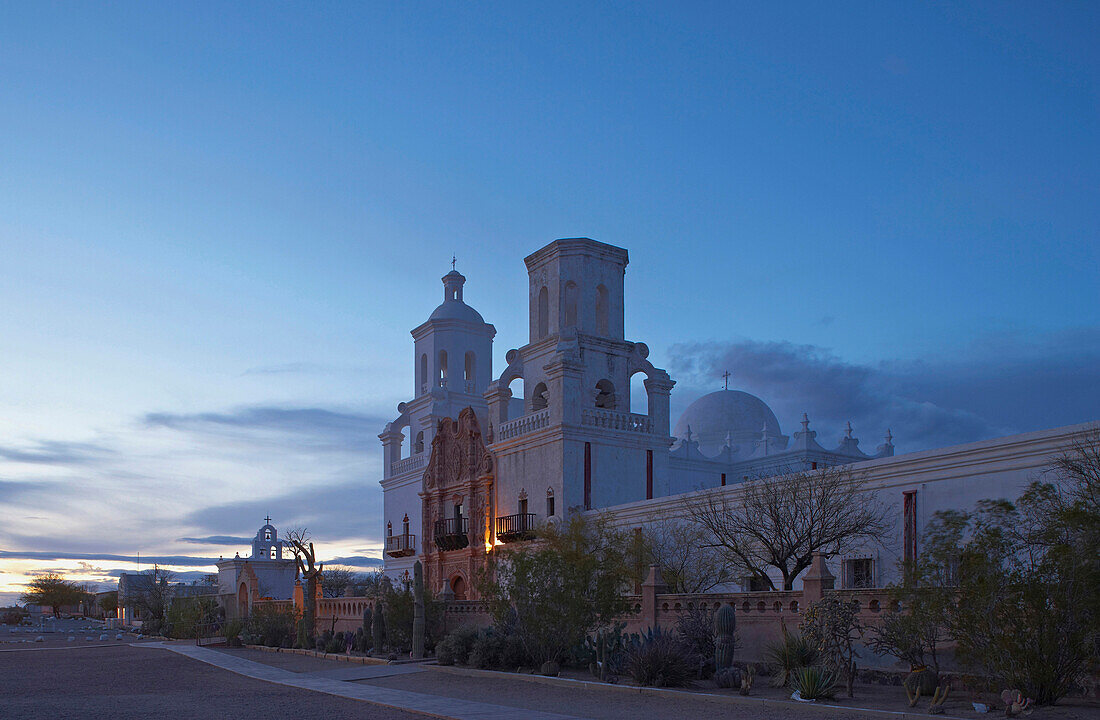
[(556, 590), (109, 603), (1020, 581), (53, 591)]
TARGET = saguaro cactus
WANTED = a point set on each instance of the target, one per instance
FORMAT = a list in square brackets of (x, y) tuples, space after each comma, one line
[(418, 611), (378, 629), (725, 623)]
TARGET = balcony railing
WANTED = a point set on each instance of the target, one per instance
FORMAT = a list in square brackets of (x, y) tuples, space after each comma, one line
[(452, 533), (512, 528), (412, 462), (523, 425), (401, 545), (614, 420)]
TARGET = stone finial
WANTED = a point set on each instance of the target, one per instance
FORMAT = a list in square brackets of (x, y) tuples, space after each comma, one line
[(848, 430), (817, 579), (889, 437), (805, 422), (687, 435)]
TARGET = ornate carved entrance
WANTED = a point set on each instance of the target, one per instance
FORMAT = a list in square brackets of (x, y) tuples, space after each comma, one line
[(458, 504)]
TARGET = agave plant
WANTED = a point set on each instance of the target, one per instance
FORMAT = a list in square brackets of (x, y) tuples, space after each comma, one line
[(789, 654), (814, 682)]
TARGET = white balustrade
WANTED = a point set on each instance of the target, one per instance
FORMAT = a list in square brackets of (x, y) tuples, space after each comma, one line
[(613, 420), (413, 462), (523, 425)]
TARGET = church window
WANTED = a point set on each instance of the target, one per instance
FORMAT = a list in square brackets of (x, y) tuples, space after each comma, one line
[(418, 447), (909, 529), (540, 398), (424, 372), (571, 299), (274, 555), (859, 573), (471, 367), (389, 529), (267, 535), (544, 313), (443, 368), (648, 474), (602, 311), (523, 505), (549, 502), (588, 476), (723, 479), (605, 395), (405, 524)]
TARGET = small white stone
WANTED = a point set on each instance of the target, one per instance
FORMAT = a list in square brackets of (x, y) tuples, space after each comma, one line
[(40, 639), (118, 637), (103, 637)]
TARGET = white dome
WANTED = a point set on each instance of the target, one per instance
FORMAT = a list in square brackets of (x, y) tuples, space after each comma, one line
[(457, 310), (741, 416)]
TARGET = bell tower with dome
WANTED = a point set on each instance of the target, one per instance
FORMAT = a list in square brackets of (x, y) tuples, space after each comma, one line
[(452, 368)]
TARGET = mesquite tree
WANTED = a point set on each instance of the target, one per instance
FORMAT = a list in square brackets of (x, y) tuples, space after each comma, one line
[(310, 570), (780, 522)]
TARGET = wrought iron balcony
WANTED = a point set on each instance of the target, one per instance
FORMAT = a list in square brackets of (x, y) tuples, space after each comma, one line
[(512, 528), (452, 533), (401, 545)]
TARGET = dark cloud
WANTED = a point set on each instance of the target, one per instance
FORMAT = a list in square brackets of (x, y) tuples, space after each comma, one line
[(347, 509), (996, 385), (315, 428), (55, 452), (357, 561), (184, 560), (12, 490), (218, 540)]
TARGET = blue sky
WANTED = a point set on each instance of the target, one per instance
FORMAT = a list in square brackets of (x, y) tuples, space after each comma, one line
[(219, 222)]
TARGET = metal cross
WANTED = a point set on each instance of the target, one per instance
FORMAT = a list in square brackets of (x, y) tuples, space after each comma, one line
[(267, 519), (453, 261), (726, 377)]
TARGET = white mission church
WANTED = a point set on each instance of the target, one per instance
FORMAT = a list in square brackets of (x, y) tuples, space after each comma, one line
[(484, 468)]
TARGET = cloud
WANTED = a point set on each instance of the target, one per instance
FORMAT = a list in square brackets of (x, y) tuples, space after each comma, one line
[(999, 384), (359, 561), (55, 452), (183, 560), (317, 428), (351, 508), (284, 368), (218, 540)]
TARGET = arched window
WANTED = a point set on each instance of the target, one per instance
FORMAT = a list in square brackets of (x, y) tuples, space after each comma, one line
[(602, 311), (389, 529), (406, 525), (424, 372), (443, 368), (605, 395), (549, 502), (418, 446), (544, 313), (571, 304), (471, 368), (540, 397)]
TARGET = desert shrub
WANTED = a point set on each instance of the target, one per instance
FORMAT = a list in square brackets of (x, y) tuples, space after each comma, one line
[(12, 616), (696, 629), (272, 625), (455, 648), (728, 678), (513, 655), (232, 632), (399, 618), (789, 654), (190, 617), (833, 626), (814, 682), (487, 650), (336, 644), (661, 659)]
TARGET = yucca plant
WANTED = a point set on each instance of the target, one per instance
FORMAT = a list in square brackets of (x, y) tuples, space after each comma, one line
[(814, 682), (789, 654)]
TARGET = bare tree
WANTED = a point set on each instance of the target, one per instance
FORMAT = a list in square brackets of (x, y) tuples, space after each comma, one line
[(338, 581), (781, 521), (305, 557), (689, 562), (152, 597), (1077, 470)]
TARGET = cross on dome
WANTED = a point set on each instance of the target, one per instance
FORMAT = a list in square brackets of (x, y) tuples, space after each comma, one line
[(726, 378), (267, 520)]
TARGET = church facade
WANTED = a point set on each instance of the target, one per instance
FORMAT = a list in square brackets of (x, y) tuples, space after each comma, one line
[(485, 468), (265, 573)]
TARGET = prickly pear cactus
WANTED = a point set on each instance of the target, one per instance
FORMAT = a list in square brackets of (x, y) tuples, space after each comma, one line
[(418, 610), (725, 623)]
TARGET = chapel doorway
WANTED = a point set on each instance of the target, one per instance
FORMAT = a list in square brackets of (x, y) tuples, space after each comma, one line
[(242, 601), (458, 586)]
